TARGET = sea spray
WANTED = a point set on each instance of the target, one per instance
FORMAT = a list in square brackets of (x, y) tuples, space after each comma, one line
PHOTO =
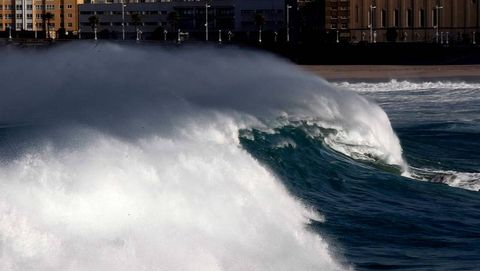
[(137, 164)]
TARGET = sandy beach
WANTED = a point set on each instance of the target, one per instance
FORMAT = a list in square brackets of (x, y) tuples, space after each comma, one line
[(386, 72)]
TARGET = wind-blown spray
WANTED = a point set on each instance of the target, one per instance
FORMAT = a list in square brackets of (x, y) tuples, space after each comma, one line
[(131, 159)]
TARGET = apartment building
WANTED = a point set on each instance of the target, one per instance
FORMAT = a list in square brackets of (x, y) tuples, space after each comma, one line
[(28, 15), (414, 20), (337, 17), (225, 15)]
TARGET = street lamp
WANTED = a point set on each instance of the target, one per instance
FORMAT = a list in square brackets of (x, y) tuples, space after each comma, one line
[(437, 8), (260, 35), (220, 36), (79, 33), (206, 21), (178, 36), (139, 32), (372, 7), (123, 19), (165, 34), (338, 39), (9, 32), (288, 22)]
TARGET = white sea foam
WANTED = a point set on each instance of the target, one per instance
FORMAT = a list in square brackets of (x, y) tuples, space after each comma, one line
[(395, 85), (194, 202), (464, 180), (141, 169)]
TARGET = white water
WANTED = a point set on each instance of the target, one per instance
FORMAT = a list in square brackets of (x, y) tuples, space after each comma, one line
[(464, 180), (396, 85), (139, 165), (454, 104)]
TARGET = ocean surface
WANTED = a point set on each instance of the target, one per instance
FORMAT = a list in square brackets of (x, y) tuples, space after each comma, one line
[(143, 158)]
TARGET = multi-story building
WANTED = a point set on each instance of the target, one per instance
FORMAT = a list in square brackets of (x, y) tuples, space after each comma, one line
[(29, 15), (337, 17), (391, 20), (414, 20), (224, 15)]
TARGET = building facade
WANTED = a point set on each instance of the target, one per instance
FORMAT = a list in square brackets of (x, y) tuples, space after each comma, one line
[(28, 15), (412, 20), (225, 15)]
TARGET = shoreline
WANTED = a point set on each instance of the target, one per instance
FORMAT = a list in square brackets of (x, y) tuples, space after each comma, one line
[(399, 72)]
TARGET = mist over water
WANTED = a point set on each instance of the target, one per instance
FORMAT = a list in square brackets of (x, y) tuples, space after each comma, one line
[(125, 158)]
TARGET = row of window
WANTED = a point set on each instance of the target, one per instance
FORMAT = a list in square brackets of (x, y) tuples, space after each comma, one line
[(127, 24), (342, 26), (30, 7), (160, 12), (30, 25), (29, 16), (395, 18)]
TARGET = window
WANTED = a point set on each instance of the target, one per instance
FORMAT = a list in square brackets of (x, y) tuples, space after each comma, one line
[(50, 7), (422, 18), (1, 16), (29, 25), (19, 16), (69, 15), (69, 6), (409, 18), (19, 7), (356, 14), (38, 16), (29, 7), (396, 18), (69, 24), (383, 15), (435, 17), (19, 26), (29, 16)]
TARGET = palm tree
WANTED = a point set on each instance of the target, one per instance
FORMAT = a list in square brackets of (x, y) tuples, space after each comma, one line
[(259, 22), (137, 21), (46, 20), (173, 18), (93, 20)]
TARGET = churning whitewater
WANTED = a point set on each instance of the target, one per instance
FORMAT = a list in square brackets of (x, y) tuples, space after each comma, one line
[(128, 158)]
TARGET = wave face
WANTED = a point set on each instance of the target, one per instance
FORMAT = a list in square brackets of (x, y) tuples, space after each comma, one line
[(439, 123), (378, 219), (122, 158)]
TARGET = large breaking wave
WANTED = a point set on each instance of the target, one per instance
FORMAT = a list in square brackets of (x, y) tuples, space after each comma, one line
[(130, 159)]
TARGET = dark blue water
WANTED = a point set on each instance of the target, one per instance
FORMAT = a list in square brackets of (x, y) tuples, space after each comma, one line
[(379, 220)]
